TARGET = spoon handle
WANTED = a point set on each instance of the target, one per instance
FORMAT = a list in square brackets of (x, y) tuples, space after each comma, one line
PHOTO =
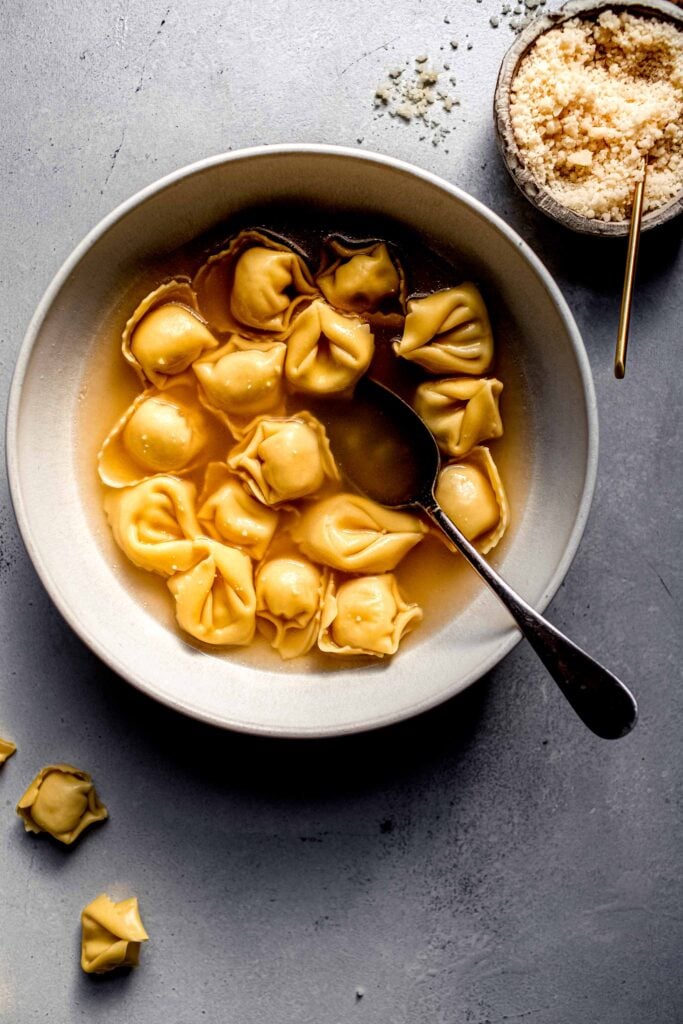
[(600, 700)]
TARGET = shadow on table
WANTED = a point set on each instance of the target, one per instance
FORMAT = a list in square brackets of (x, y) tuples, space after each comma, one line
[(302, 768)]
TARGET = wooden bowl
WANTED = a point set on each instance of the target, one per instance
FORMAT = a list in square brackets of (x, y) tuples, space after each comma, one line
[(511, 154)]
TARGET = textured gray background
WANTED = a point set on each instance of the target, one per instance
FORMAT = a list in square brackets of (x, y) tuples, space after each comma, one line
[(491, 861)]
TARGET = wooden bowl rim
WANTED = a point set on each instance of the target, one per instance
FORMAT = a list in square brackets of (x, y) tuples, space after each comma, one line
[(523, 179)]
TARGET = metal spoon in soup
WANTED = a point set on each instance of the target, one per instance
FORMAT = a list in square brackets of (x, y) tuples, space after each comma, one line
[(400, 470)]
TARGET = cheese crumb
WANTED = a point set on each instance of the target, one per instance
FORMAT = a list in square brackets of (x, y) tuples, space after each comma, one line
[(589, 100)]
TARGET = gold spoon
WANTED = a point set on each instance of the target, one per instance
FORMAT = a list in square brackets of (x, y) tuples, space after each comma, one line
[(630, 273), (387, 452)]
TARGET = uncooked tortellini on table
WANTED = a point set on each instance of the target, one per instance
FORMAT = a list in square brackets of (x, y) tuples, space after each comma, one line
[(327, 351), (471, 493), (366, 615), (62, 801), (255, 286), (215, 600), (229, 514), (239, 383), (281, 460), (111, 934), (160, 432), (155, 523), (461, 412), (364, 279), (354, 534), (448, 332), (289, 594), (7, 748), (166, 334)]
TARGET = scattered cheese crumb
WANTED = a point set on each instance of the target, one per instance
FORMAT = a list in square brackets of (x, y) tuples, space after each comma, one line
[(592, 98)]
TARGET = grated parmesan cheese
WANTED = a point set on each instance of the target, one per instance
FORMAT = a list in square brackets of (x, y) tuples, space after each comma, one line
[(589, 100)]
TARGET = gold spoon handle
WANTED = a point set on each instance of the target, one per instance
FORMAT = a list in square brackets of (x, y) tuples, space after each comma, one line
[(629, 275)]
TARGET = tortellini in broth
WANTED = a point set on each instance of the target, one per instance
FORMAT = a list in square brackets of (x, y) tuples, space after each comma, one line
[(166, 334), (327, 351), (255, 286), (161, 432), (364, 279), (448, 332), (220, 477)]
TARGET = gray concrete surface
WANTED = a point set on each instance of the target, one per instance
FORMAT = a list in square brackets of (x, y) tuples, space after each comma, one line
[(491, 861)]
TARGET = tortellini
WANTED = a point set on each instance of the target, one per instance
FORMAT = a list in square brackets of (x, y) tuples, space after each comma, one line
[(461, 412), (155, 524), (354, 534), (281, 460), (364, 279), (228, 514), (366, 615), (215, 600), (161, 432), (238, 384), (7, 748), (448, 332), (62, 801), (236, 364), (166, 334), (289, 592), (257, 284), (111, 934), (471, 493), (327, 351)]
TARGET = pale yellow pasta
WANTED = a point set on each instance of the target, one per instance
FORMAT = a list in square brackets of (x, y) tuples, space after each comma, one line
[(461, 412), (367, 615), (363, 279), (448, 332), (256, 285), (327, 351), (111, 935), (160, 432), (289, 592), (61, 801), (166, 334), (229, 514), (354, 534), (471, 493), (215, 600), (281, 460), (238, 384), (155, 523)]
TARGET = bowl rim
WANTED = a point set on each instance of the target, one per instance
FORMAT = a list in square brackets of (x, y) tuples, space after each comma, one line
[(534, 193), (70, 264)]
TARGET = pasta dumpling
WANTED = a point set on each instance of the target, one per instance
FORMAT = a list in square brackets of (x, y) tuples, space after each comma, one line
[(448, 332), (111, 934), (166, 334), (461, 412), (327, 351), (161, 432), (227, 513), (155, 524), (364, 279), (354, 534), (281, 460), (366, 615), (289, 592), (215, 600), (471, 493), (61, 801), (238, 384), (257, 285)]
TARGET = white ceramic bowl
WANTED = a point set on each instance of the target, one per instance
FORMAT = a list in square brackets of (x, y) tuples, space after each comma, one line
[(73, 553)]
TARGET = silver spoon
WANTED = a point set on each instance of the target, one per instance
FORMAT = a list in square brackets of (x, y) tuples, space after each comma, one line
[(387, 452)]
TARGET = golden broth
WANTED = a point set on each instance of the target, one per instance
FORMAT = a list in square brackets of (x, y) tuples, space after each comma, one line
[(437, 579)]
